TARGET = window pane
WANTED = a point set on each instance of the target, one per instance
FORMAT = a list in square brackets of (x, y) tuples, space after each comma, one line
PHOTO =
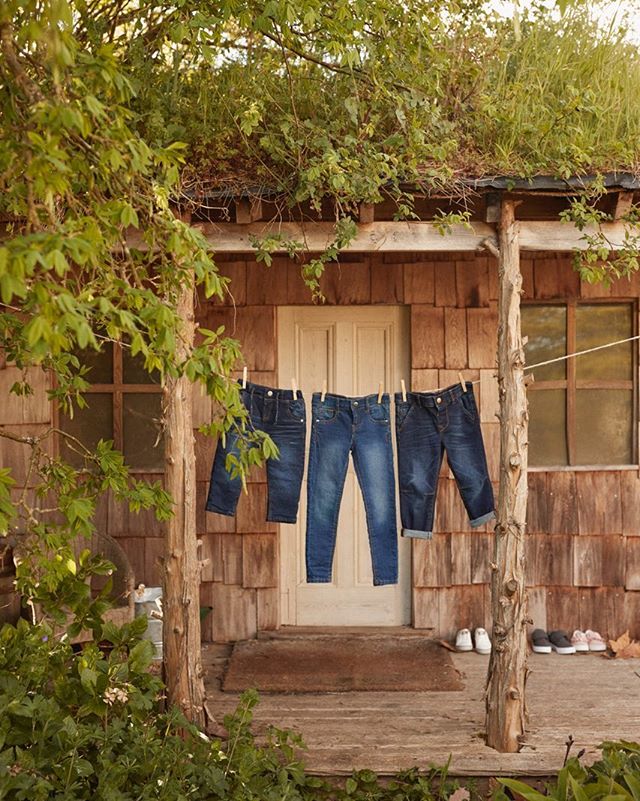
[(143, 442), (88, 425), (603, 426), (547, 426), (133, 371), (100, 364), (597, 324), (546, 327)]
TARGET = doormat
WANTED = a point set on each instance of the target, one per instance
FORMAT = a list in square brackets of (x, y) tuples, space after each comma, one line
[(341, 665)]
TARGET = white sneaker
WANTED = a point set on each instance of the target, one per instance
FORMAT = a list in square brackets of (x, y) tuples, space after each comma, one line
[(483, 643), (463, 640)]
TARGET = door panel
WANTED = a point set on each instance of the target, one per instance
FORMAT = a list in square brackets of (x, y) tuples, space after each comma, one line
[(353, 349)]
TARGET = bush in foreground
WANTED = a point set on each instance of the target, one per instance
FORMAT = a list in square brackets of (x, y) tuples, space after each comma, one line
[(90, 725)]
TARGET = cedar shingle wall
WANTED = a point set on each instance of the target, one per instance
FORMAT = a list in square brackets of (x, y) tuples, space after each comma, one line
[(27, 415), (583, 546)]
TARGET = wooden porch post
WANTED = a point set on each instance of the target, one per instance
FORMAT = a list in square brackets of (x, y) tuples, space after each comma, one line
[(181, 575), (505, 695)]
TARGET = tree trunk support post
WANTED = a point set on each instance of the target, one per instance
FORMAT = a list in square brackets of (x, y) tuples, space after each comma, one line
[(505, 693), (181, 574)]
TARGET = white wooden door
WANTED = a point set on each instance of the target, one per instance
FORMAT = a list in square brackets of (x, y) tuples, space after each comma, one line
[(353, 349)]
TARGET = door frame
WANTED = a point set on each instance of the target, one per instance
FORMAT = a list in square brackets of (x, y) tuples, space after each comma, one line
[(400, 315)]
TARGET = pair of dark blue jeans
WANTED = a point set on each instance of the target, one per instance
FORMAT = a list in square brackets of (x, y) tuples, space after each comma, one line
[(427, 425), (282, 416), (362, 427)]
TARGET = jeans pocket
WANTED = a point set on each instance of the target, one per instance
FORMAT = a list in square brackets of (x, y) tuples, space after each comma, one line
[(295, 410), (325, 414), (469, 407), (402, 410), (379, 413)]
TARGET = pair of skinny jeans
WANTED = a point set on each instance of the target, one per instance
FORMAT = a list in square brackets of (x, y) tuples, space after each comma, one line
[(362, 427), (427, 425), (282, 416)]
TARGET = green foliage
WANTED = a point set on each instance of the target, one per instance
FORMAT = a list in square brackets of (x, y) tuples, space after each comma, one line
[(599, 261), (55, 513), (93, 254), (111, 112), (615, 776), (90, 726)]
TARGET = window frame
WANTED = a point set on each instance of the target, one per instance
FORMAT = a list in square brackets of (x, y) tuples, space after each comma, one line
[(571, 385), (117, 389)]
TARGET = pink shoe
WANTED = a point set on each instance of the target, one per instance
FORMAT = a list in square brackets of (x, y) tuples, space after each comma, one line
[(596, 643), (579, 641)]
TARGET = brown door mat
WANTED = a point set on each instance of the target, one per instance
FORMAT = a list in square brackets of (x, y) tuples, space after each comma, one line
[(339, 665)]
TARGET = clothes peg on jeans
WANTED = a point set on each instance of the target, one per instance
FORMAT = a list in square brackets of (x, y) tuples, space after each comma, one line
[(294, 388), (403, 387), (462, 384), (380, 388), (244, 377), (324, 390)]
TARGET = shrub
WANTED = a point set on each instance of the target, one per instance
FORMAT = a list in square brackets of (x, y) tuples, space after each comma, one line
[(615, 777)]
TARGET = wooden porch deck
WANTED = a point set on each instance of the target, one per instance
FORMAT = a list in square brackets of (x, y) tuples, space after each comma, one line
[(584, 695)]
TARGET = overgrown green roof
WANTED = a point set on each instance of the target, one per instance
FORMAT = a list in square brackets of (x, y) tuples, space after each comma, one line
[(344, 98)]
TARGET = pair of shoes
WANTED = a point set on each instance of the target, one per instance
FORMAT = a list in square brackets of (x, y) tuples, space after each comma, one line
[(559, 642), (588, 641), (483, 643), (543, 643)]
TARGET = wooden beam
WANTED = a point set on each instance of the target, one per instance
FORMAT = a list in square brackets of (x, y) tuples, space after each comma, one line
[(379, 237), (624, 201), (248, 210), (505, 696), (492, 208), (366, 213)]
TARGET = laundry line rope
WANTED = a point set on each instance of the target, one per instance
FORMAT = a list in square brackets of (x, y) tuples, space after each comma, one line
[(530, 367)]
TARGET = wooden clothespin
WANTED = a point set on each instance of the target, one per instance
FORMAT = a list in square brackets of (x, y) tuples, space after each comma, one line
[(403, 387), (324, 390), (294, 388), (462, 384), (244, 378), (380, 388)]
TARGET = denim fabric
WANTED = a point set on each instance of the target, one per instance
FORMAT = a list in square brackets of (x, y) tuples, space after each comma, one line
[(427, 425), (282, 416), (361, 426)]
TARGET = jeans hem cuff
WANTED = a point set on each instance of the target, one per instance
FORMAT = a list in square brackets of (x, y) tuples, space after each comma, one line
[(318, 579), (384, 582), (271, 519), (211, 508), (479, 521), (420, 535)]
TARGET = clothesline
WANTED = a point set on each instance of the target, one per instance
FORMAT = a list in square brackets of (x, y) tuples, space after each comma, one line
[(530, 367)]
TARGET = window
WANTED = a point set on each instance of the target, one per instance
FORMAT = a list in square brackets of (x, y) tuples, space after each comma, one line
[(582, 411), (124, 403)]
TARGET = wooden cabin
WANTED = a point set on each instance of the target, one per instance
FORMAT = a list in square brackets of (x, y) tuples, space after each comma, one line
[(404, 302)]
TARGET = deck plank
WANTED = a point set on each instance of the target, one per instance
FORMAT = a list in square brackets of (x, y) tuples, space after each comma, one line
[(587, 696)]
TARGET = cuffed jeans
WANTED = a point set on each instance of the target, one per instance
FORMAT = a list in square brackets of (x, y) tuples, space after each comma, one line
[(427, 425), (361, 426), (282, 416)]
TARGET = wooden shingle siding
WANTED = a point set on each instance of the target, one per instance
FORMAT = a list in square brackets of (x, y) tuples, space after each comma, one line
[(599, 506), (630, 502), (260, 561), (387, 281), (24, 409), (419, 283), (583, 527), (472, 283), (427, 337)]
